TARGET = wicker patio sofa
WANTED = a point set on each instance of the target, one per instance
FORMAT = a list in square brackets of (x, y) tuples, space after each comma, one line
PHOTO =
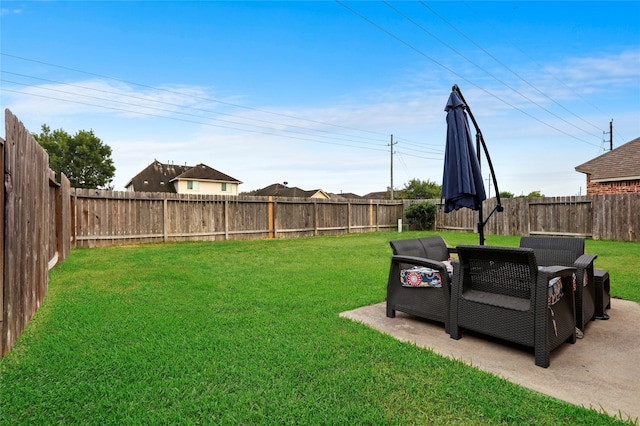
[(566, 251), (501, 292), (426, 301)]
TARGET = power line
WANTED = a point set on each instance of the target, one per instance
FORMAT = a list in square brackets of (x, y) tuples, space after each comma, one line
[(195, 96), (512, 72), (147, 107), (422, 157), (508, 39), (420, 52), (188, 121), (146, 99), (424, 145)]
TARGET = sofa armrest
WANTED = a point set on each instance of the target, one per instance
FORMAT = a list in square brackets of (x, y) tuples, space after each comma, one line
[(585, 261), (556, 271), (545, 274), (583, 264), (419, 261)]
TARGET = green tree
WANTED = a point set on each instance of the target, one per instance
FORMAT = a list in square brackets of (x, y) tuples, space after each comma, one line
[(83, 158), (421, 216), (505, 194), (417, 189), (533, 194)]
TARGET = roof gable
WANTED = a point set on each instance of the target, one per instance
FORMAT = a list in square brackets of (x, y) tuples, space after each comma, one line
[(279, 190), (382, 195), (156, 177), (204, 172), (349, 195), (622, 163)]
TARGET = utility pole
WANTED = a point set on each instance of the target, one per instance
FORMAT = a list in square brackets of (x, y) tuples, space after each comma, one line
[(611, 135), (391, 145)]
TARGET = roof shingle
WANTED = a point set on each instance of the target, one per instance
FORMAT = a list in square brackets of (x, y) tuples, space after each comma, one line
[(279, 190), (204, 172), (622, 163)]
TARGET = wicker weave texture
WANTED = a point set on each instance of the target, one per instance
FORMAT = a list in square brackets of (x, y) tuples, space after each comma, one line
[(501, 292), (569, 252)]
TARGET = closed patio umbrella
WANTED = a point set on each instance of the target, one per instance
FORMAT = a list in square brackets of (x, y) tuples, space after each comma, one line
[(462, 184)]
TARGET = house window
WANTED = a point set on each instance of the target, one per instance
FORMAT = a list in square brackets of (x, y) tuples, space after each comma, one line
[(192, 184), (224, 186)]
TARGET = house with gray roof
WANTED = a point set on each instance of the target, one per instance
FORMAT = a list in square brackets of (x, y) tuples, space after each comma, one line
[(199, 179), (614, 172), (279, 190)]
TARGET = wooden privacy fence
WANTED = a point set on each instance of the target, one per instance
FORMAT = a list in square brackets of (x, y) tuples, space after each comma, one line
[(103, 217), (601, 217), (36, 232)]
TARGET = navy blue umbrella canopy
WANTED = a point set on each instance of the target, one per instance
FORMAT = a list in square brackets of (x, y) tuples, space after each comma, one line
[(462, 184)]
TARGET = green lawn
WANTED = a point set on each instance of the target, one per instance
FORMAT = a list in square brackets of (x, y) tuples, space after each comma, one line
[(248, 332)]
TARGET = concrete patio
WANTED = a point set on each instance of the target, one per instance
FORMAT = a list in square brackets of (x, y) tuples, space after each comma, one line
[(601, 371)]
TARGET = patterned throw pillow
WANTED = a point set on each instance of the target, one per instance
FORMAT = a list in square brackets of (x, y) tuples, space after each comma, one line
[(585, 280), (555, 291), (419, 276), (555, 287)]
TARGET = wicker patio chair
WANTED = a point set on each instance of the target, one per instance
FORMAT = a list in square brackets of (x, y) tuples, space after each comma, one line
[(501, 292), (565, 251), (425, 302)]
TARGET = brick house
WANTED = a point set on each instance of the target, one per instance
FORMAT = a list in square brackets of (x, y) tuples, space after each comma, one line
[(614, 172)]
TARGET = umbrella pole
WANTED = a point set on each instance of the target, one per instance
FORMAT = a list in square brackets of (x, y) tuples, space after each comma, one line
[(479, 141), (478, 138)]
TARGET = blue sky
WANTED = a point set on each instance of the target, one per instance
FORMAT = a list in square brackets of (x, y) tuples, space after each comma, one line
[(311, 92)]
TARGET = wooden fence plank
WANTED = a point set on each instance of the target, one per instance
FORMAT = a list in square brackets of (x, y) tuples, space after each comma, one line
[(175, 217), (33, 236), (2, 248)]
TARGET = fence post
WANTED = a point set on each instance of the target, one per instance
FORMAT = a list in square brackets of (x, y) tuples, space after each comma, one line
[(272, 226), (315, 218), (370, 214), (226, 219), (165, 221), (2, 350), (58, 224)]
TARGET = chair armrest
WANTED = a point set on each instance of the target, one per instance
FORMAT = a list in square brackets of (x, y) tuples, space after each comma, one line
[(556, 271), (584, 264), (545, 274), (419, 261), (542, 286), (585, 261)]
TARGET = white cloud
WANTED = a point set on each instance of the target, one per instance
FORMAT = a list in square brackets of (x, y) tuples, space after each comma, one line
[(7, 11), (320, 146)]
